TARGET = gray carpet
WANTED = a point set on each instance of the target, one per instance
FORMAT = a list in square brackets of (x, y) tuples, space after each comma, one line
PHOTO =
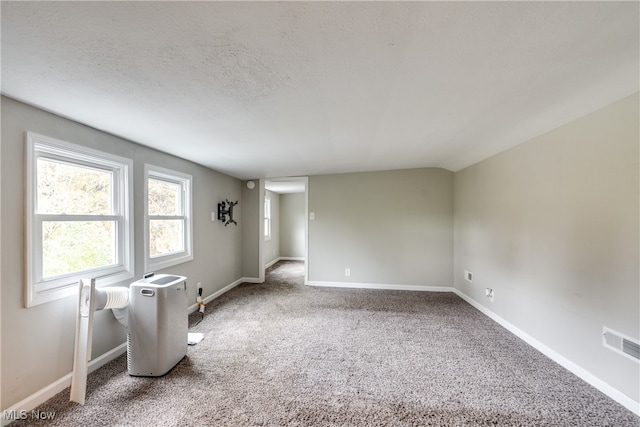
[(284, 354)]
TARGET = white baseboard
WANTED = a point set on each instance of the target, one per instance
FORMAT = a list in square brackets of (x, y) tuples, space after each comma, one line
[(216, 294), (251, 280), (580, 372), (291, 258), (271, 263), (284, 258), (56, 387), (395, 287)]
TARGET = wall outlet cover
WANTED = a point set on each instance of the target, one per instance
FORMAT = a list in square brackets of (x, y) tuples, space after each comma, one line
[(468, 276), (489, 293)]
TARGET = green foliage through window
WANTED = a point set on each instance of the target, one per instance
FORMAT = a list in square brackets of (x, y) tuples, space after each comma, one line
[(71, 245), (79, 206), (165, 198), (65, 188), (168, 222), (166, 236)]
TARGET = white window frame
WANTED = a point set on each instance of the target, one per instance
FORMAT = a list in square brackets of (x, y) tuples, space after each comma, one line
[(39, 290), (186, 181), (267, 218)]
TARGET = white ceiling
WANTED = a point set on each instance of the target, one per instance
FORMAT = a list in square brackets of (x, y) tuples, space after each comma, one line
[(285, 187), (265, 89)]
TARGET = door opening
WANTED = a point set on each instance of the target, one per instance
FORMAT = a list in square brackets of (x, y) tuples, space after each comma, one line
[(285, 222)]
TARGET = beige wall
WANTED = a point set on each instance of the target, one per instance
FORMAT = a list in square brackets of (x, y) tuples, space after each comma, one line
[(552, 227), (292, 231), (37, 343), (391, 227), (271, 248)]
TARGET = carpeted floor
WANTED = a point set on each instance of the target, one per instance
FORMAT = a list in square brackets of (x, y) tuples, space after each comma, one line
[(284, 354)]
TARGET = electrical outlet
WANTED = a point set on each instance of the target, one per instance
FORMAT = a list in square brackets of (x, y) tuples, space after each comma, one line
[(489, 294), (347, 272), (468, 276)]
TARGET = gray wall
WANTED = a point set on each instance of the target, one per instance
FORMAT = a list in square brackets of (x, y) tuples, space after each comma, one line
[(292, 238), (391, 227), (250, 221), (271, 248), (37, 343), (552, 227)]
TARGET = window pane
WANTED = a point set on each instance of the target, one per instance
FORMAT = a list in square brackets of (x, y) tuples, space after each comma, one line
[(69, 247), (166, 236), (65, 188), (165, 198)]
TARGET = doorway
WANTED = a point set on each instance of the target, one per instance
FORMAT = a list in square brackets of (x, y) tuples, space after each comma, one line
[(285, 225)]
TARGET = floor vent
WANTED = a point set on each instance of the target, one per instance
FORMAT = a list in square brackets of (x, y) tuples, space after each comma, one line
[(620, 343)]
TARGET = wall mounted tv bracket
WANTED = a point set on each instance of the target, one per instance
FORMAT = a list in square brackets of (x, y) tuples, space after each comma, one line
[(224, 209)]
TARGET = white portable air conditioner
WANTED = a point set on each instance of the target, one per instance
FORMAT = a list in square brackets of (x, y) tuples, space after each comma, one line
[(157, 321)]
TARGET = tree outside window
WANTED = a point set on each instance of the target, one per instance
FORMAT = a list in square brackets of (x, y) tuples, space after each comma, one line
[(168, 213)]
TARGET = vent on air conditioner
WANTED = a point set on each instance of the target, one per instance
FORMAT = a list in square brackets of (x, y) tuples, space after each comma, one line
[(129, 363), (620, 343)]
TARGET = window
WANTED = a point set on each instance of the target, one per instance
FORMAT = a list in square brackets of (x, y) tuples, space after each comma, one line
[(78, 218), (267, 218), (168, 218)]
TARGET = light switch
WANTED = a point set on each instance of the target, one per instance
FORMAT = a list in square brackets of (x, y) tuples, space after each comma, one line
[(312, 216)]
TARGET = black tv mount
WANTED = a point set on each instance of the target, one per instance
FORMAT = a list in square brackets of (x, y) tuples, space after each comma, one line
[(223, 211)]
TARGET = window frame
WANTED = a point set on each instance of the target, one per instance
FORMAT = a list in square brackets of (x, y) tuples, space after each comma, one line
[(267, 218), (186, 181), (38, 289)]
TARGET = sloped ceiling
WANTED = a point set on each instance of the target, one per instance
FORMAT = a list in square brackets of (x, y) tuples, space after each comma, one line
[(270, 89)]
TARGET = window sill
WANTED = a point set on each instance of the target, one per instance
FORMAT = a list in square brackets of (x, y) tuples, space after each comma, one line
[(36, 297), (162, 263)]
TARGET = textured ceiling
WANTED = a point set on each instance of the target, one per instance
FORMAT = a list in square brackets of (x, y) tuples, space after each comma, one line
[(280, 89)]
